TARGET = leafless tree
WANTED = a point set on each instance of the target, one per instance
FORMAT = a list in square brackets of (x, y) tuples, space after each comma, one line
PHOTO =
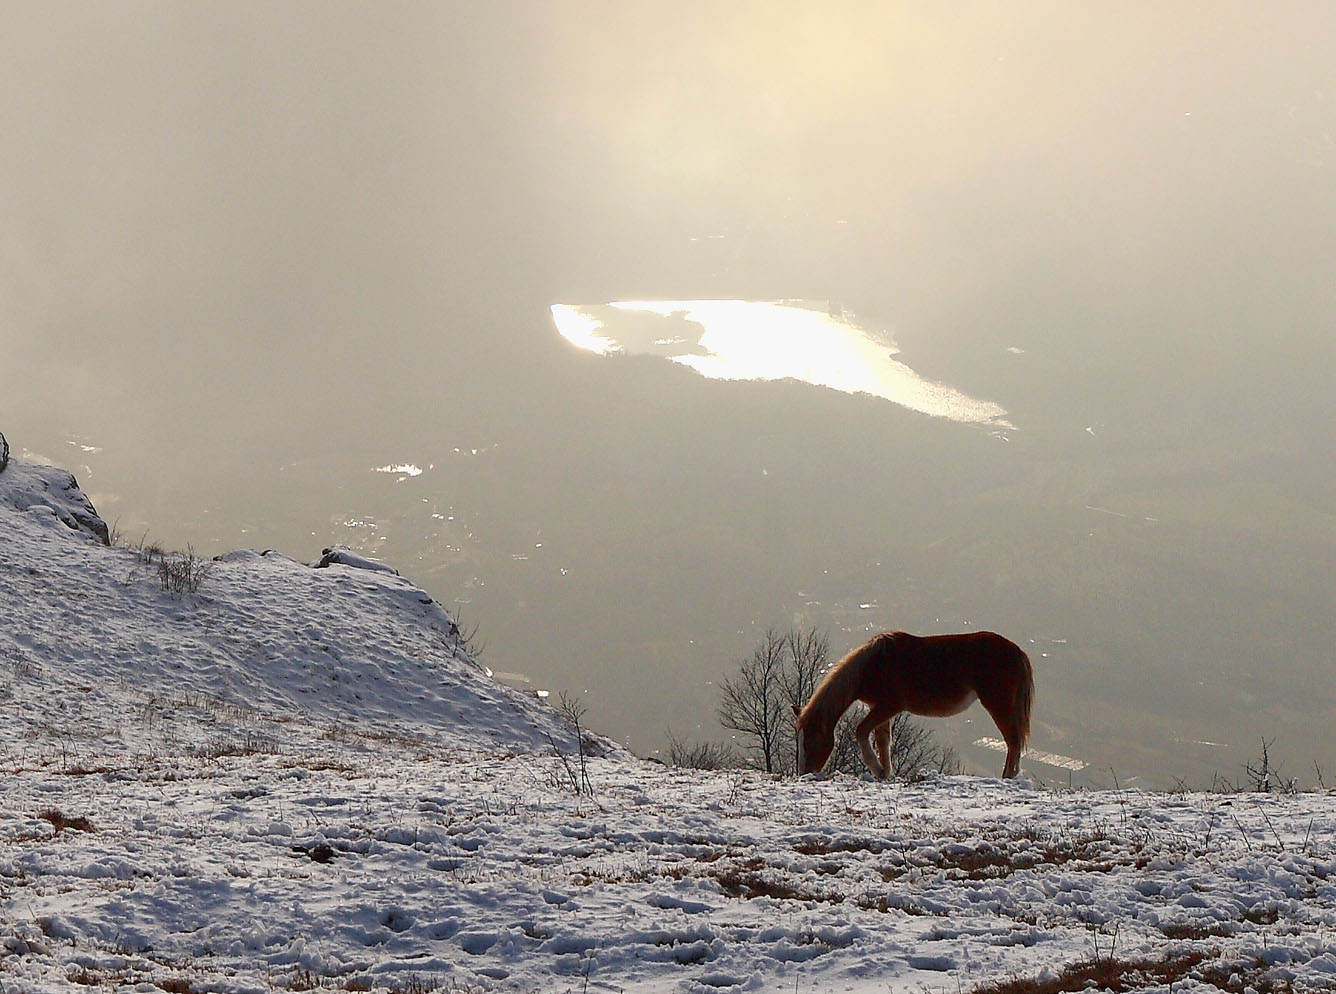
[(753, 703), (808, 652)]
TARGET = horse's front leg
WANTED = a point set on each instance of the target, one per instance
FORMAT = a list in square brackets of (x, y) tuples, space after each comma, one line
[(881, 738), (877, 720)]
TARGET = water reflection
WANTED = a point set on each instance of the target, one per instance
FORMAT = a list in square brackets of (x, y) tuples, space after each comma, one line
[(402, 470), (1055, 759), (769, 340)]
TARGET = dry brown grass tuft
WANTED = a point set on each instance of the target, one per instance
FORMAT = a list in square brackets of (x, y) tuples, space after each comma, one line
[(59, 821), (1127, 975), (750, 884), (830, 847), (1105, 974), (1194, 930)]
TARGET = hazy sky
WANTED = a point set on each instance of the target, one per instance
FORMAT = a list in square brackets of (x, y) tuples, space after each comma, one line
[(255, 182)]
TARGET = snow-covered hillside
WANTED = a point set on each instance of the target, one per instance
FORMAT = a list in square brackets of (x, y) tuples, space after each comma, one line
[(296, 778), (95, 635)]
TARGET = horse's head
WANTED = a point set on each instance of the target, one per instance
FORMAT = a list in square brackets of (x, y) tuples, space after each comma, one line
[(814, 741)]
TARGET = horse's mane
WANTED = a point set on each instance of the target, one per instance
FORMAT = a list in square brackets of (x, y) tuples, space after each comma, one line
[(837, 687)]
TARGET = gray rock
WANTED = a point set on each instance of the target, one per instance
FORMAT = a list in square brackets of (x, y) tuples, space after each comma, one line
[(344, 557), (26, 486)]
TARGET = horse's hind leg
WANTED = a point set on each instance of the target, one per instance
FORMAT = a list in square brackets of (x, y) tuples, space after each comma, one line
[(1011, 734)]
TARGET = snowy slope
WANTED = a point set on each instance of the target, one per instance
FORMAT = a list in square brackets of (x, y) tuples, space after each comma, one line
[(96, 636), (295, 779)]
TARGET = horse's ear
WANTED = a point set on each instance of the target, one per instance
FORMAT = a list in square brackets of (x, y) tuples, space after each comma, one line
[(797, 711)]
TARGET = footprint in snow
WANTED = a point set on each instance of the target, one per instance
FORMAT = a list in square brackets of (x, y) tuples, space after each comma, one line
[(477, 943), (936, 963), (666, 901)]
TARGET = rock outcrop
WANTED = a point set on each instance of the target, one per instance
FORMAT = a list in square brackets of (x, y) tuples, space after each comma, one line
[(34, 488)]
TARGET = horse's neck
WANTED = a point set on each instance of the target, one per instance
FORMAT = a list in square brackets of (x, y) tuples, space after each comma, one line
[(839, 693)]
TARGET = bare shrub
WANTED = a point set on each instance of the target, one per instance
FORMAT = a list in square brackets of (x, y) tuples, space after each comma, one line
[(700, 755), (183, 572), (177, 572), (1262, 773), (148, 553), (466, 632), (576, 769)]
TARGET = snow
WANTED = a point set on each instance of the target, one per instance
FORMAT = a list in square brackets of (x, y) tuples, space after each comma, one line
[(296, 778)]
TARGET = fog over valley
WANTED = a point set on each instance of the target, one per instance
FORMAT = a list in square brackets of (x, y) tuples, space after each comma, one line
[(631, 331)]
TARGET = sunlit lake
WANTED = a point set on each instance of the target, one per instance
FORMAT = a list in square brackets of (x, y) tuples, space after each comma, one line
[(814, 342)]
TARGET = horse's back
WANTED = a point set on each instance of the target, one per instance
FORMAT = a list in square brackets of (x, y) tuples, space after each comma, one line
[(957, 666), (983, 654), (982, 648)]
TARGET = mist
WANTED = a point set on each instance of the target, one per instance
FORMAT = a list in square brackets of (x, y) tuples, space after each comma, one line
[(250, 255)]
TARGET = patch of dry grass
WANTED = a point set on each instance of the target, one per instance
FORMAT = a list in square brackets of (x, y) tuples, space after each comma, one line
[(1119, 975), (60, 821)]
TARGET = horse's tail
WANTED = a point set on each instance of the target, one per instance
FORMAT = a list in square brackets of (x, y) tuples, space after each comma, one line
[(1024, 698)]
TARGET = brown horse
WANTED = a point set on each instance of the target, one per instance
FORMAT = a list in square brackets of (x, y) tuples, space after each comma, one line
[(934, 675)]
